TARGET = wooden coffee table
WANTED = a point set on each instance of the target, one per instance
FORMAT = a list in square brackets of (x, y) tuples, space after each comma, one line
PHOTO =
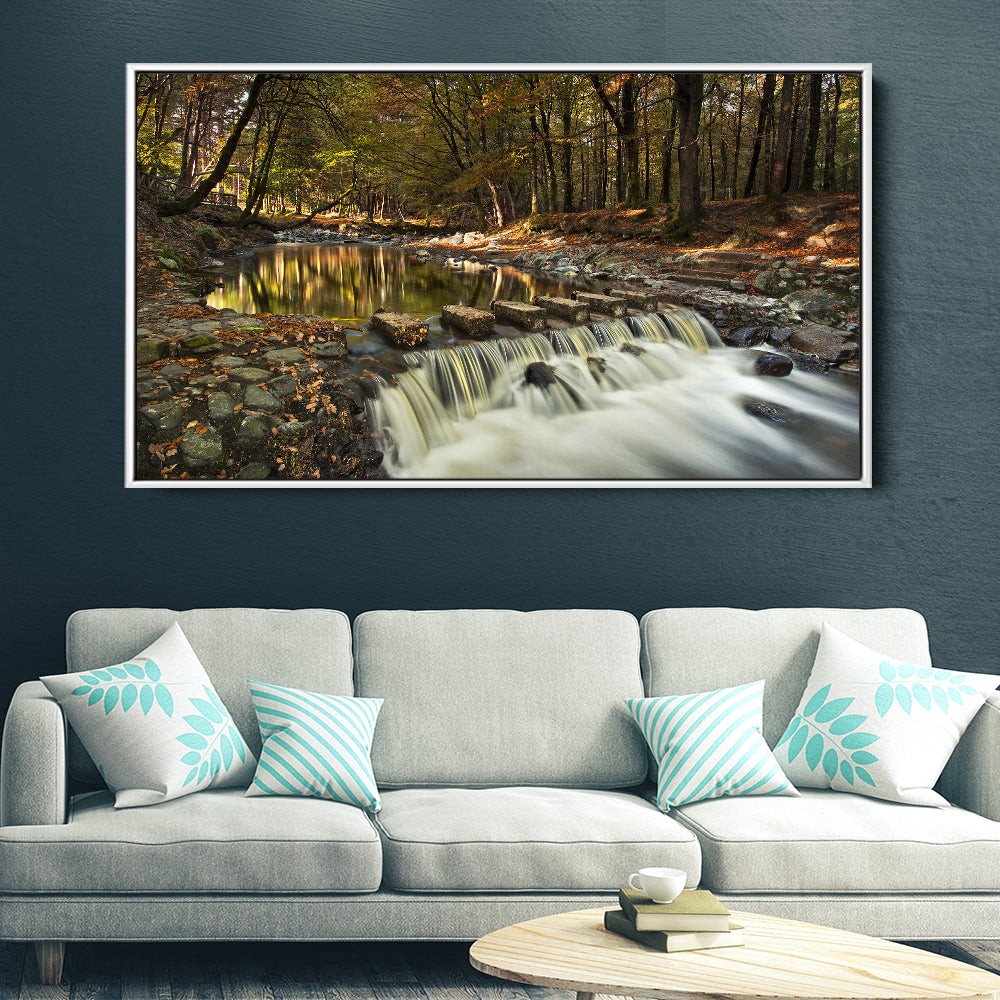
[(779, 959)]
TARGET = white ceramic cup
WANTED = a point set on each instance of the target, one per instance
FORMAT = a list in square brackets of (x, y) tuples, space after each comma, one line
[(661, 885)]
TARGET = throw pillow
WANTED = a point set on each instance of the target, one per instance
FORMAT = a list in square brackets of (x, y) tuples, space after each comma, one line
[(871, 724), (315, 744), (709, 744), (154, 725)]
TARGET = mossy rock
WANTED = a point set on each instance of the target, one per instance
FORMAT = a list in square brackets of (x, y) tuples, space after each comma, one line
[(207, 238)]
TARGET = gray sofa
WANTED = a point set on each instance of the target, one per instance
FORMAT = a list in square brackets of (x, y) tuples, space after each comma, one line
[(514, 784)]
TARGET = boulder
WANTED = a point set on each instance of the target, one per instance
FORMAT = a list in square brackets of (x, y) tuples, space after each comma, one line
[(539, 373), (257, 398), (745, 336), (775, 365), (164, 417), (285, 356), (819, 305), (201, 447), (606, 305), (823, 342), (200, 343), (150, 349), (251, 374), (221, 406)]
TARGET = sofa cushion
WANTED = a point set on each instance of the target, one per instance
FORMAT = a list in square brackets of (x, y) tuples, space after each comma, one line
[(878, 726), (493, 698), (835, 842), (685, 650), (154, 724), (308, 648), (526, 838), (215, 841), (709, 744), (315, 744)]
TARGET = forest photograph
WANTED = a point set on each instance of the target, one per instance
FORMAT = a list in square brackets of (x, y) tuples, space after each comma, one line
[(468, 277)]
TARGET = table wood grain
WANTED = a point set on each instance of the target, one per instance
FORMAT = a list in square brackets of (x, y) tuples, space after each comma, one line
[(780, 959)]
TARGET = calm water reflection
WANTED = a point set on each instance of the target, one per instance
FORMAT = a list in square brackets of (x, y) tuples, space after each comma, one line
[(349, 282)]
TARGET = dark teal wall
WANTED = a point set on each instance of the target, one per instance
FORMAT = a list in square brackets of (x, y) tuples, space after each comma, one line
[(925, 536)]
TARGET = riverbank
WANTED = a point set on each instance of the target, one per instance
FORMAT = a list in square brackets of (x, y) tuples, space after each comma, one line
[(225, 395)]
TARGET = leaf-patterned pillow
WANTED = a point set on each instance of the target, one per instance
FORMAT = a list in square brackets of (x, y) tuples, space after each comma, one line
[(154, 725), (871, 724)]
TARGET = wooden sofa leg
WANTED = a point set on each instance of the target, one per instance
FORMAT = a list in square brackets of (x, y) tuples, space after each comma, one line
[(49, 955)]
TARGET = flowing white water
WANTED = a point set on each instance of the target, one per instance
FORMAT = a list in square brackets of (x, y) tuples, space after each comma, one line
[(651, 397)]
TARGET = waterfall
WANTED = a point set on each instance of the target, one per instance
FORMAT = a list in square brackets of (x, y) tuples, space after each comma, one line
[(654, 396)]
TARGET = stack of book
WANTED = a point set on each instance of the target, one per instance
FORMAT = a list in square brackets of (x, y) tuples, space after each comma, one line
[(695, 919)]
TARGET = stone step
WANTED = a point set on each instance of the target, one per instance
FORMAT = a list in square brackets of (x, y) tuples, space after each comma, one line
[(522, 314), (473, 323), (401, 329), (575, 312), (749, 257), (606, 305), (635, 299)]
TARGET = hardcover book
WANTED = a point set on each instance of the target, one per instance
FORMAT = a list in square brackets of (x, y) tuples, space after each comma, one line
[(692, 910), (618, 922)]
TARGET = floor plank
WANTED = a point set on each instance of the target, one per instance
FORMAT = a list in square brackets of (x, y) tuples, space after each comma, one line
[(299, 971)]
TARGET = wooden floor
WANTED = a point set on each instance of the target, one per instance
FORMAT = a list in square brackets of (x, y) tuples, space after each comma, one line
[(281, 971)]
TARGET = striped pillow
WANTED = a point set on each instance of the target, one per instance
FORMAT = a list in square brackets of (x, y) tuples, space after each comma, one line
[(709, 744), (315, 744)]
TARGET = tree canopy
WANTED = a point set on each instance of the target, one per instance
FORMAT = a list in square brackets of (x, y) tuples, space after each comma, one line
[(485, 148)]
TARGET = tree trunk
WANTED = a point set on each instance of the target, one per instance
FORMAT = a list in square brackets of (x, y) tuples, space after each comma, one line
[(734, 190), (567, 151), (625, 122), (766, 100), (779, 166), (668, 147), (199, 194), (808, 182), (689, 89), (800, 118), (829, 177)]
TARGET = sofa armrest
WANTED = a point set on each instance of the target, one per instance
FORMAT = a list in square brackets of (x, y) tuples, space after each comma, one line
[(971, 779), (34, 777)]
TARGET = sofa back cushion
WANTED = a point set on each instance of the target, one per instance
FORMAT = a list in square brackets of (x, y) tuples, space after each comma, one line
[(307, 649), (687, 650), (498, 698)]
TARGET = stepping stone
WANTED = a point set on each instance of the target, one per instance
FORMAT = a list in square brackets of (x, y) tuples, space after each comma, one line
[(635, 300), (606, 305), (473, 322), (401, 329), (575, 312), (522, 314), (251, 374)]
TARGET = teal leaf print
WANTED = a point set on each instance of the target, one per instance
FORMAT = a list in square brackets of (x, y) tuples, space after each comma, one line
[(906, 671), (191, 757), (191, 775), (136, 671), (924, 672), (863, 757), (212, 742), (847, 772), (146, 699), (814, 751), (846, 723), (238, 743), (226, 747), (797, 742), (83, 689), (164, 699), (833, 708), (200, 725), (922, 695), (95, 696), (118, 672), (955, 696), (207, 709), (789, 732), (903, 698), (193, 740), (864, 776), (152, 670), (887, 670), (830, 763), (939, 696), (129, 694), (884, 696), (855, 741), (110, 699), (816, 701)]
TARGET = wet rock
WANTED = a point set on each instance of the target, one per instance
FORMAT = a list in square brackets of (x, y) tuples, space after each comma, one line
[(819, 305), (745, 336), (229, 361), (153, 389), (331, 349), (778, 335), (285, 356), (257, 398), (475, 323), (283, 385), (255, 428), (221, 406), (775, 365), (633, 349), (824, 342), (597, 367), (520, 314), (539, 373), (400, 329), (774, 413), (255, 470), (606, 305), (575, 312), (164, 417), (251, 374), (149, 350), (201, 447), (294, 430), (199, 343)]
